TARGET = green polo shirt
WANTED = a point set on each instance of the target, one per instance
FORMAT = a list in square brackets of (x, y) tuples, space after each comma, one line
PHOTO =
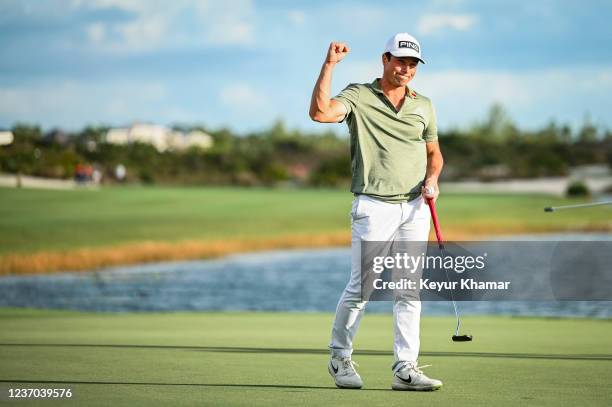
[(388, 155)]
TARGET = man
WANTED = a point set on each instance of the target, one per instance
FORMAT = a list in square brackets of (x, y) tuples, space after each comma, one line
[(396, 161)]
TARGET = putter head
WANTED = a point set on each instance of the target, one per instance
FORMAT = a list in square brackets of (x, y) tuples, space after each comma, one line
[(548, 209), (462, 338)]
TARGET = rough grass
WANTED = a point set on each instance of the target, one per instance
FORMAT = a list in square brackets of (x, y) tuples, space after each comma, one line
[(86, 259), (269, 359)]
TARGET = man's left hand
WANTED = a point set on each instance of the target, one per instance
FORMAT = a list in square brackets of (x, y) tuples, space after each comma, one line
[(430, 190)]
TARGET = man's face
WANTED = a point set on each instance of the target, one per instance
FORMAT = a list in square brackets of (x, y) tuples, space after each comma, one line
[(399, 71)]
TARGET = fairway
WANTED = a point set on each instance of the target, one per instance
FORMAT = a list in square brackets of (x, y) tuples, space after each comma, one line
[(268, 359), (39, 220), (34, 220)]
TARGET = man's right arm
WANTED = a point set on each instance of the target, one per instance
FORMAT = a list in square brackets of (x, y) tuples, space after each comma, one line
[(322, 108)]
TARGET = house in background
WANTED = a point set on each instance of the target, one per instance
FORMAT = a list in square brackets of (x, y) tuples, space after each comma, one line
[(6, 138), (160, 137)]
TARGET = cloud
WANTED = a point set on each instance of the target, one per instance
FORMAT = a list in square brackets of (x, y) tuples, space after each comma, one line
[(447, 3), (156, 25), (531, 97), (359, 18), (357, 71), (230, 29), (434, 23), (63, 103), (296, 17), (96, 32), (138, 6), (461, 97), (242, 96)]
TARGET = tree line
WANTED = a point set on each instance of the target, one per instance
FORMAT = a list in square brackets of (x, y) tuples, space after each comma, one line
[(492, 149)]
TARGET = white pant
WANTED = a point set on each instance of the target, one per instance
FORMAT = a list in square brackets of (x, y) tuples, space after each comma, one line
[(375, 220)]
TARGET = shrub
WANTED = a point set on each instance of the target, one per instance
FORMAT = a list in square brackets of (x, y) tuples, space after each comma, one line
[(577, 188)]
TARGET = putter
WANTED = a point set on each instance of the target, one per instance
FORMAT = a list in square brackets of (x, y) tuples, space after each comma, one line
[(432, 208)]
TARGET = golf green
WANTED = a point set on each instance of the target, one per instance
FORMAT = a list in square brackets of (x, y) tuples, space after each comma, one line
[(267, 359)]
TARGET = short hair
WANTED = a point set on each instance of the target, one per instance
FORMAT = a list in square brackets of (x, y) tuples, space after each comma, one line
[(388, 55)]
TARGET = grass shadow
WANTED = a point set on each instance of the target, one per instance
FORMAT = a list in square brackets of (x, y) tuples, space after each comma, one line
[(307, 351), (256, 386)]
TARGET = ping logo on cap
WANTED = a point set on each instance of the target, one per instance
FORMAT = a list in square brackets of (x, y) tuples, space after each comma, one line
[(408, 44)]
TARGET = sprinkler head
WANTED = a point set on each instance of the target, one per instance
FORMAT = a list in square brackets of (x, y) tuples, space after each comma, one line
[(462, 338)]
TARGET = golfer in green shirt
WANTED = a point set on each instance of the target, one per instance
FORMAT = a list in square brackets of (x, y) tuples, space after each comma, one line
[(396, 162)]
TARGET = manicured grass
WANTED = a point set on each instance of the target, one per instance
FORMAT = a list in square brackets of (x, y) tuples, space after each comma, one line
[(42, 220), (263, 359), (32, 220), (520, 213)]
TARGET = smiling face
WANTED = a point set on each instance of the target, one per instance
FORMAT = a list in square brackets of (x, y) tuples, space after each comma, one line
[(398, 71)]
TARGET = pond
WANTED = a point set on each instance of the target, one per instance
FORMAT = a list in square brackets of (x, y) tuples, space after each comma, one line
[(290, 280)]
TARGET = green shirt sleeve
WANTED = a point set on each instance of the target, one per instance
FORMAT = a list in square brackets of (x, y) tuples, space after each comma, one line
[(431, 132), (349, 97)]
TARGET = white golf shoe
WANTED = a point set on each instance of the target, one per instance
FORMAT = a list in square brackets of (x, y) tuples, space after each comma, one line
[(344, 373), (410, 377)]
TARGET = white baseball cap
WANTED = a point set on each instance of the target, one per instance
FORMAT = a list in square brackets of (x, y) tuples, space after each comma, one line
[(404, 45)]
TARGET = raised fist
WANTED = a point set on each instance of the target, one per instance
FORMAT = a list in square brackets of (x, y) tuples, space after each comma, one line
[(336, 52)]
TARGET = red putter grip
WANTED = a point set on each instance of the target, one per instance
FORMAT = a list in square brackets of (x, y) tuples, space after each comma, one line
[(434, 217)]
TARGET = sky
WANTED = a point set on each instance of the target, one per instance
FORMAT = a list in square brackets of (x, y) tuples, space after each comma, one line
[(243, 64)]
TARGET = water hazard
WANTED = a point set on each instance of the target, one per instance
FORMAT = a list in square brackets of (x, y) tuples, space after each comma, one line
[(294, 280)]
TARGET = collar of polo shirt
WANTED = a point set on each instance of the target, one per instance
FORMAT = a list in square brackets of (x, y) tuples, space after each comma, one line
[(376, 86)]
